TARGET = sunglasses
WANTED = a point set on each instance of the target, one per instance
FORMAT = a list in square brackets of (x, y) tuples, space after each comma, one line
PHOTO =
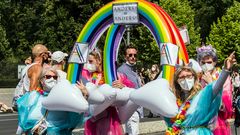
[(184, 77), (210, 62), (134, 55), (50, 76)]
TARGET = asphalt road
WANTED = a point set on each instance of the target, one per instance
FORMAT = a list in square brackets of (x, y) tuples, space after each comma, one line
[(8, 125)]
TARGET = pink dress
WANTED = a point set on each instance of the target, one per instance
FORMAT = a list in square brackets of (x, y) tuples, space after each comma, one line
[(226, 111), (107, 122)]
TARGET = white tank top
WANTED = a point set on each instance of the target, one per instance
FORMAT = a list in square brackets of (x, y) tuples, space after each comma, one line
[(26, 81)]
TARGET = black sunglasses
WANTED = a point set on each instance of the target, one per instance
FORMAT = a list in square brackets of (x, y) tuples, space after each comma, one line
[(50, 76), (130, 55), (210, 62)]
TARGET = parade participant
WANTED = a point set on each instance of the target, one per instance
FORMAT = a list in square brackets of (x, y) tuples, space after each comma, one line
[(28, 61), (153, 73), (35, 119), (40, 56), (197, 106), (58, 62), (207, 59), (107, 122), (236, 83), (132, 125), (19, 91)]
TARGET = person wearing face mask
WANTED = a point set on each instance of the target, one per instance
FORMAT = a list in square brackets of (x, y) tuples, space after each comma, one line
[(34, 118), (127, 69), (107, 122), (197, 105), (154, 72), (58, 62), (93, 69), (207, 58)]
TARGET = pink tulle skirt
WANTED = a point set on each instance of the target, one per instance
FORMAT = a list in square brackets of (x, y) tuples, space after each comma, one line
[(222, 127), (106, 123)]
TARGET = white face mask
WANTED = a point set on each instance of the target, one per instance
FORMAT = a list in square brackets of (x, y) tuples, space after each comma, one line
[(49, 83), (91, 67), (131, 64), (153, 68), (187, 84), (207, 67)]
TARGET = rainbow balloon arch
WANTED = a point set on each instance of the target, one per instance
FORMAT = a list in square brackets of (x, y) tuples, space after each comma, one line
[(151, 15)]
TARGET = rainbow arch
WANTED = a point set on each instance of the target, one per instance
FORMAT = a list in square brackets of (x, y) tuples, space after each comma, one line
[(151, 15)]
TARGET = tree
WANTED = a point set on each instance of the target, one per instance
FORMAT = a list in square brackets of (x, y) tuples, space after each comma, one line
[(182, 14), (5, 50), (207, 12), (224, 34)]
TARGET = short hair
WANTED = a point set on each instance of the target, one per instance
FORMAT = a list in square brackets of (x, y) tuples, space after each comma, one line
[(130, 46)]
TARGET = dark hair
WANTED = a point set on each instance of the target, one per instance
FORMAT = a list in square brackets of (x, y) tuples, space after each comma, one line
[(130, 46)]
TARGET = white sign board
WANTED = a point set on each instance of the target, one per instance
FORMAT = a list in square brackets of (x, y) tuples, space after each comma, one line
[(169, 54), (79, 53), (184, 33), (20, 69), (125, 13)]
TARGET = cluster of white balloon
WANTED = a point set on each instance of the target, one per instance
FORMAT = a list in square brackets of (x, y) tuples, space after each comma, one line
[(155, 95)]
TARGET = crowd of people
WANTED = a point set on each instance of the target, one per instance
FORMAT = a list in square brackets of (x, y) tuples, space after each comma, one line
[(207, 96)]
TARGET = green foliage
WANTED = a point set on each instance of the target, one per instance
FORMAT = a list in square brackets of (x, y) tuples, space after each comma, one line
[(207, 12), (5, 50), (224, 34), (182, 14), (54, 23)]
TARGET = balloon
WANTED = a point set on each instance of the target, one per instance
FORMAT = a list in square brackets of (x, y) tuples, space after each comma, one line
[(156, 96), (95, 97), (122, 96), (64, 97), (110, 96), (126, 111)]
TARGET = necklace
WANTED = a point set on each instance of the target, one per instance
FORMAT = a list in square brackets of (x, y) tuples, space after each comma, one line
[(178, 119), (41, 91), (97, 78)]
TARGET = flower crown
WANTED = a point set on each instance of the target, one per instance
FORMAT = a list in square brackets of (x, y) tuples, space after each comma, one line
[(203, 49)]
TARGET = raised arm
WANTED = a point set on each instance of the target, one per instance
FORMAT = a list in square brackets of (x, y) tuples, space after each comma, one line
[(228, 63)]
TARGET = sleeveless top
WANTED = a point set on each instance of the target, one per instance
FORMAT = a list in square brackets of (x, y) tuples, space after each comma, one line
[(26, 80)]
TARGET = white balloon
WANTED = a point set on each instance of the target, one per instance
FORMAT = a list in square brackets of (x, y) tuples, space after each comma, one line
[(123, 96), (126, 111), (95, 97), (110, 96), (64, 97), (157, 97)]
